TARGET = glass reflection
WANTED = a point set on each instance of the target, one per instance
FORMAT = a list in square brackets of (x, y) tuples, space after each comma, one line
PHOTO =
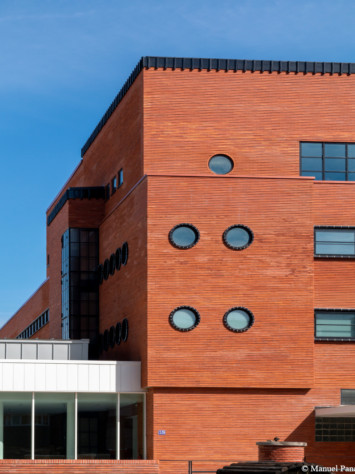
[(131, 426), (17, 425), (97, 426), (54, 426)]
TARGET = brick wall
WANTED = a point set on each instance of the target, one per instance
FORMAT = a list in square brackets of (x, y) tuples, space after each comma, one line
[(78, 467), (272, 278), (30, 310)]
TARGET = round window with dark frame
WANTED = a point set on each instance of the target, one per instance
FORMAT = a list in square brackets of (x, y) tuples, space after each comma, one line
[(118, 259), (124, 254), (118, 334), (106, 268), (238, 319), (124, 330), (184, 236), (221, 164), (112, 336), (112, 263), (184, 318), (238, 237)]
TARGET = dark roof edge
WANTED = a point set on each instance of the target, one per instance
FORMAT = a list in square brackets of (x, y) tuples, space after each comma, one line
[(302, 67)]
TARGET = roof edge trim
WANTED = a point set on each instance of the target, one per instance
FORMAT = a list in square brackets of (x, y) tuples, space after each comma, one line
[(209, 64)]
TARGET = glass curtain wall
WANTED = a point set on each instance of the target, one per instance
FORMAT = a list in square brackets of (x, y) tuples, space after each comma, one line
[(97, 420), (15, 425), (71, 426), (131, 426), (54, 426), (80, 292)]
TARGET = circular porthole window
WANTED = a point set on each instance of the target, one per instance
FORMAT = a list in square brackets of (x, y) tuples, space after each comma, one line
[(184, 236), (238, 237), (112, 336), (184, 318), (118, 259), (118, 334), (124, 330), (124, 254), (112, 263), (238, 319), (220, 164), (106, 268)]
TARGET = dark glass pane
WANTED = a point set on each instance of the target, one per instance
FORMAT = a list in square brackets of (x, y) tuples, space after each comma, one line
[(316, 174), (97, 426), (351, 176), (84, 236), (131, 426), (334, 164), (351, 151), (54, 426), (17, 425), (351, 165), (334, 149), (237, 237), (311, 149), (220, 164), (334, 176), (311, 164), (348, 397), (75, 250), (184, 236), (74, 235)]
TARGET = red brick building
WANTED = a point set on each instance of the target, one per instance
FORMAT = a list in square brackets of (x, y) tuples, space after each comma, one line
[(216, 199)]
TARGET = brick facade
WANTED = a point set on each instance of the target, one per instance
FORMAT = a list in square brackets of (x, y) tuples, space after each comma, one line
[(214, 392)]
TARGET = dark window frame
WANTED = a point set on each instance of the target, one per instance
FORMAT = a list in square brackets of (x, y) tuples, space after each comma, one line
[(333, 256), (240, 226), (323, 157), (331, 338), (184, 247), (246, 310), (177, 328)]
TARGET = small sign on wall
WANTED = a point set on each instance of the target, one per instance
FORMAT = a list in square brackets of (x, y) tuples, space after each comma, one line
[(161, 432)]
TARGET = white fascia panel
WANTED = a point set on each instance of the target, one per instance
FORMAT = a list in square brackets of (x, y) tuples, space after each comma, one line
[(69, 376)]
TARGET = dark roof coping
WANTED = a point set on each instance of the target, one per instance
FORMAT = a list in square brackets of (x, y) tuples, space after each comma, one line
[(209, 64), (90, 192)]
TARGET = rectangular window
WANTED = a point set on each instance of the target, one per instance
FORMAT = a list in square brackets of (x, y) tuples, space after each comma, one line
[(334, 241), (328, 161), (54, 426), (16, 425), (347, 396), (334, 324), (120, 178), (114, 185), (335, 429)]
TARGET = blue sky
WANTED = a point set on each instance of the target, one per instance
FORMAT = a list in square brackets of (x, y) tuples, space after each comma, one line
[(63, 61)]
